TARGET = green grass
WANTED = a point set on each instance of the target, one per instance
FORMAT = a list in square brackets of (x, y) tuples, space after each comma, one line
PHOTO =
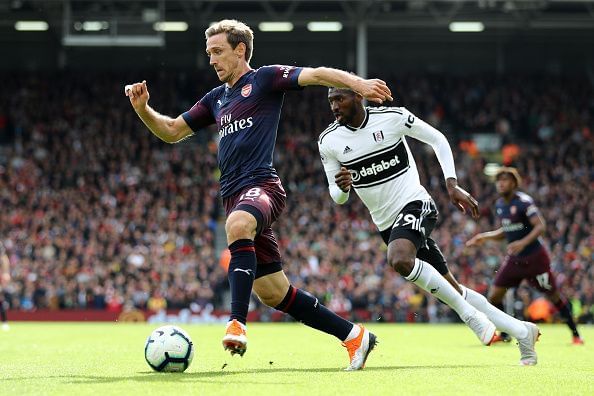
[(288, 359)]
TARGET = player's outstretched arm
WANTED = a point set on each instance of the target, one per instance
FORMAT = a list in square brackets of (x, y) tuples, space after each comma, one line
[(374, 89), (168, 129), (479, 239)]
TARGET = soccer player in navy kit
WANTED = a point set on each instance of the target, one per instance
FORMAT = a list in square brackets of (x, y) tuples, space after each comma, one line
[(246, 110), (527, 258)]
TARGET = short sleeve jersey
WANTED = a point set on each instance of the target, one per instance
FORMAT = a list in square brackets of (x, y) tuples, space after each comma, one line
[(247, 116), (515, 219)]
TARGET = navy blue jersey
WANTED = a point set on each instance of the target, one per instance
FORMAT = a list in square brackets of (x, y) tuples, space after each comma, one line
[(515, 219), (247, 117)]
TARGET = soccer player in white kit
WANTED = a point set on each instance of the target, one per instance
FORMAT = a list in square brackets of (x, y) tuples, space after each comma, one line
[(365, 149)]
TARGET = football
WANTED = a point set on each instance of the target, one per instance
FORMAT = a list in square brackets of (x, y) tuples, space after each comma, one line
[(169, 349)]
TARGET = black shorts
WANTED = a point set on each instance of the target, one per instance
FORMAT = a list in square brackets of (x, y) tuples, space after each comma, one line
[(415, 222)]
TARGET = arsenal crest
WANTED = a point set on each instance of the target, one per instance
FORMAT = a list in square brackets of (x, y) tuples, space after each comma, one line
[(378, 136), (246, 90)]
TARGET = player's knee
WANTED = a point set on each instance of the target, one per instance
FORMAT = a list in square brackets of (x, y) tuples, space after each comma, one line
[(402, 264), (401, 256), (239, 227), (271, 297)]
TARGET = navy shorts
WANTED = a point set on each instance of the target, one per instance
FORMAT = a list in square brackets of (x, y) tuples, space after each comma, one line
[(265, 201), (415, 223), (535, 268)]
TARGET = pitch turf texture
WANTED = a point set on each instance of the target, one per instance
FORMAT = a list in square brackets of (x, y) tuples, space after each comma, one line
[(288, 359)]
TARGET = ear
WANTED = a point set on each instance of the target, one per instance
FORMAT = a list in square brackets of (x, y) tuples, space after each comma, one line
[(240, 50)]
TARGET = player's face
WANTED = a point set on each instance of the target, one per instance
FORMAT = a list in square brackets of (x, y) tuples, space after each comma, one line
[(505, 184), (343, 105), (222, 57)]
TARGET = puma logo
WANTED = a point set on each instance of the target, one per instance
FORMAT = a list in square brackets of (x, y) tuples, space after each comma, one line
[(247, 271), (433, 291)]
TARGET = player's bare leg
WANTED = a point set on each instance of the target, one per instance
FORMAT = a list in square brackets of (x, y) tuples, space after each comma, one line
[(564, 308), (402, 257), (241, 230), (275, 291), (526, 333)]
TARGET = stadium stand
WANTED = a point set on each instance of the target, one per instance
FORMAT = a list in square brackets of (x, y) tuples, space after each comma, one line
[(98, 213)]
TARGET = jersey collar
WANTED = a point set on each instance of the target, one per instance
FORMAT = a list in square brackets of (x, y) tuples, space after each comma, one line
[(239, 82), (363, 124)]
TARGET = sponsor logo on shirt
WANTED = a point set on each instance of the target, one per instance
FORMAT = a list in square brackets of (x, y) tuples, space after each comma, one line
[(378, 167), (508, 226), (229, 126), (375, 168)]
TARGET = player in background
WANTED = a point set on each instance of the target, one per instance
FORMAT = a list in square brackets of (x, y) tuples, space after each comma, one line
[(246, 109), (527, 258), (365, 149), (4, 279)]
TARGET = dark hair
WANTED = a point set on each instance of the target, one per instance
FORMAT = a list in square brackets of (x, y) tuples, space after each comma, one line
[(508, 170), (345, 90)]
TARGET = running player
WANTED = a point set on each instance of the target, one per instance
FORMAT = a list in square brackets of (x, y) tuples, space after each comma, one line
[(527, 258), (246, 109), (4, 279), (366, 149)]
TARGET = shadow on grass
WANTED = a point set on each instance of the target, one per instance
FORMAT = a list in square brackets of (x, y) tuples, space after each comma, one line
[(213, 376)]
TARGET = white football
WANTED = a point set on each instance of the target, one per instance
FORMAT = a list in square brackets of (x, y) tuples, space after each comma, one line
[(169, 349)]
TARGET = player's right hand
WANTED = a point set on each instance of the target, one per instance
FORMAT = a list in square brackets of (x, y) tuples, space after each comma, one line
[(138, 94), (476, 240), (375, 90), (343, 179)]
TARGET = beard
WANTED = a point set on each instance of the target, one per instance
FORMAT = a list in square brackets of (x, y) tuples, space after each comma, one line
[(346, 118)]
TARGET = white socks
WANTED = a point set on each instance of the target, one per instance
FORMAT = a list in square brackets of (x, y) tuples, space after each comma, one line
[(500, 319), (428, 279)]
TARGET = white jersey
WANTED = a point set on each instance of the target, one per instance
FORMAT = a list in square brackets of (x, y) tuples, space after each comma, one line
[(381, 164)]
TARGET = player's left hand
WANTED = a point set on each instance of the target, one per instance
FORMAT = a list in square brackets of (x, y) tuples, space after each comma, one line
[(515, 247), (375, 90), (462, 199)]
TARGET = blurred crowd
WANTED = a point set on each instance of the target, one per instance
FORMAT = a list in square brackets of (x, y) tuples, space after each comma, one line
[(98, 213)]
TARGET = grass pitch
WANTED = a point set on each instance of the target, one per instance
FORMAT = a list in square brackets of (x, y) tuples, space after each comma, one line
[(288, 359)]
